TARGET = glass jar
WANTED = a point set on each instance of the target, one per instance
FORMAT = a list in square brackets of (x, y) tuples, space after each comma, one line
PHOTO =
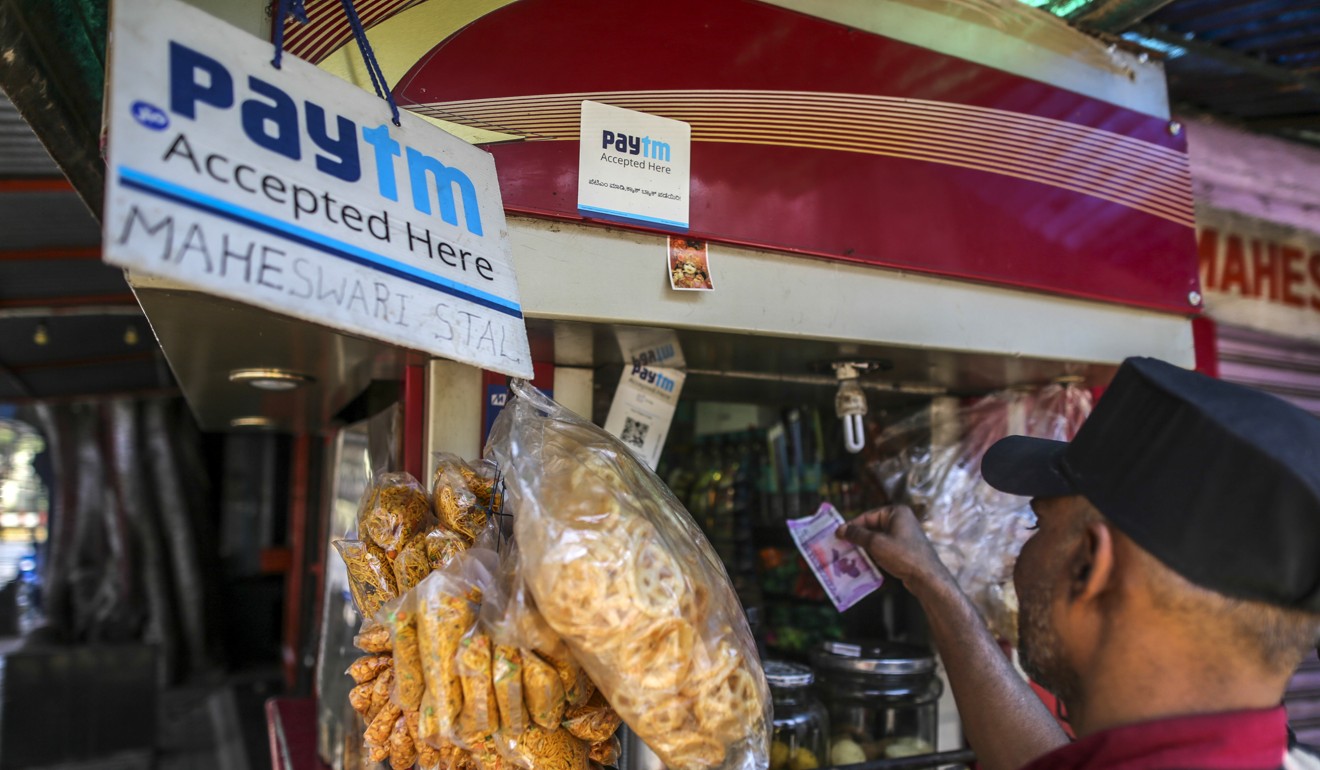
[(801, 725), (882, 699)]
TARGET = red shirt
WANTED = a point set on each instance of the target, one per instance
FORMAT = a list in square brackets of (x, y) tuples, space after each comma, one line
[(1236, 740)]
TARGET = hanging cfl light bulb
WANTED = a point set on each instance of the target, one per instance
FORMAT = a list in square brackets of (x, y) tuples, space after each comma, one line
[(41, 335), (850, 405)]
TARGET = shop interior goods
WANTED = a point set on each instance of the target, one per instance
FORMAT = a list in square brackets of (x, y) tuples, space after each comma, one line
[(801, 737), (882, 699)]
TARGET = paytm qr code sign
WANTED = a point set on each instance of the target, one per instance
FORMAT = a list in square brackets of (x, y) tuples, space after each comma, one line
[(643, 409)]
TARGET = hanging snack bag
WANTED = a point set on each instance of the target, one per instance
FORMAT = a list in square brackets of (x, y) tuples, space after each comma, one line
[(393, 510), (448, 603), (412, 565), (546, 749), (442, 546), (507, 672), (374, 639), (593, 721), (368, 667), (370, 576), (458, 507), (409, 685), (497, 615), (535, 634), (543, 691), (606, 752), (618, 569), (479, 718), (403, 751)]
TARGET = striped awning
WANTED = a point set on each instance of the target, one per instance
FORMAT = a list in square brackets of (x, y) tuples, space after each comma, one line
[(327, 26)]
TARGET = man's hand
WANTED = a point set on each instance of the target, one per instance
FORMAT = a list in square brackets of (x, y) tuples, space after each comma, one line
[(893, 538), (1002, 718)]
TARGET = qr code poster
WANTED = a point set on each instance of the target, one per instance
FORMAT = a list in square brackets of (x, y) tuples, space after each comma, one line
[(643, 409), (634, 432)]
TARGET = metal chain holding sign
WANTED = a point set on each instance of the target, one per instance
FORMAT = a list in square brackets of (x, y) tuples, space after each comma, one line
[(295, 9)]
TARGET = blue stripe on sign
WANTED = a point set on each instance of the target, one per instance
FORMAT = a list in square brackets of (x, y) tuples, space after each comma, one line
[(160, 188), (624, 215)]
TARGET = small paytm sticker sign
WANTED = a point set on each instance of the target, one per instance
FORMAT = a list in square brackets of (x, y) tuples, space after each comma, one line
[(633, 166)]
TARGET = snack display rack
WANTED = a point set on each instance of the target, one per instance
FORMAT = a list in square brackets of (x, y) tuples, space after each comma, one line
[(970, 273)]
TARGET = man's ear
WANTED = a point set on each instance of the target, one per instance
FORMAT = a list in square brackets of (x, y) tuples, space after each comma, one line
[(1092, 563)]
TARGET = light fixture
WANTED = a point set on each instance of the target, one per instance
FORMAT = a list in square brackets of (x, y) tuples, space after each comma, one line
[(41, 335), (271, 379), (252, 422), (850, 403), (131, 335)]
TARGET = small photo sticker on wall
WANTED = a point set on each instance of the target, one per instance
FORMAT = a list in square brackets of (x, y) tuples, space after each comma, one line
[(689, 265)]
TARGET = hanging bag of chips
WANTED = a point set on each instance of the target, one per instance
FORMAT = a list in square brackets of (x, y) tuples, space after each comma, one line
[(393, 510), (619, 570), (448, 603)]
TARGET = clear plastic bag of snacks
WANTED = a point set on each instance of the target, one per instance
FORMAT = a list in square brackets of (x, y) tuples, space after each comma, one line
[(447, 604), (932, 462), (619, 570), (462, 495), (394, 509)]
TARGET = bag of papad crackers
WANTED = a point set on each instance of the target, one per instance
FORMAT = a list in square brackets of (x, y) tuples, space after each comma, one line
[(619, 570)]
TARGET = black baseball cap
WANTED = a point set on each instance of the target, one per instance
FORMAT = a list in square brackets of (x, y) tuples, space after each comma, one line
[(1219, 482)]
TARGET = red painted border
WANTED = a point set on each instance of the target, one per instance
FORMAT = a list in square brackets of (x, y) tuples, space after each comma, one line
[(299, 471), (414, 419), (1205, 342), (904, 213)]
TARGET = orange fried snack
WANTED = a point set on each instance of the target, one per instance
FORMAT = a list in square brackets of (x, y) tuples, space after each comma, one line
[(481, 484), (395, 510), (367, 667), (594, 721), (551, 749), (360, 697), (378, 732), (637, 602), (442, 546), (380, 692), (458, 507), (409, 683), (479, 718), (507, 671), (606, 752), (403, 751), (412, 565), (370, 576), (442, 622), (577, 685), (428, 756), (375, 639), (543, 691)]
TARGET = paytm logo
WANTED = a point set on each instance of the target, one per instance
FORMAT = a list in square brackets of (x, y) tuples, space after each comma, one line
[(644, 146), (272, 120)]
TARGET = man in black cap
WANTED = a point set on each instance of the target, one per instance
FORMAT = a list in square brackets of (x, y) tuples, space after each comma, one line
[(1170, 591)]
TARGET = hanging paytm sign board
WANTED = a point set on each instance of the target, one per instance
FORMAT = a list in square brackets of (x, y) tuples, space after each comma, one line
[(632, 165), (292, 190)]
